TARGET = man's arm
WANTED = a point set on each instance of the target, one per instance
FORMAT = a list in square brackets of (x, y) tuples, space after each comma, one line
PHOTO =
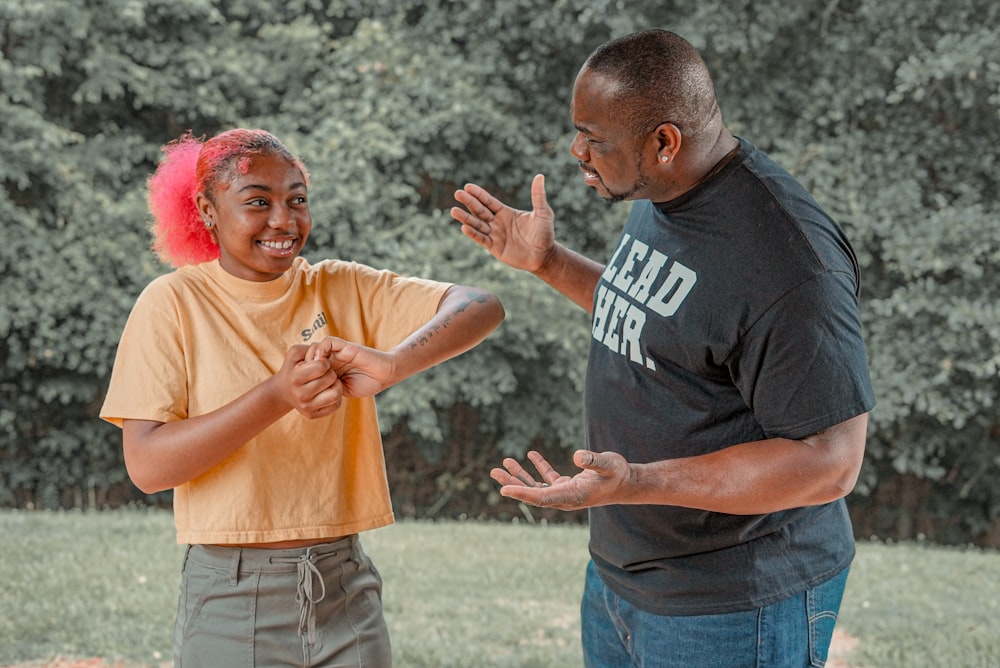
[(762, 477), (526, 240), (745, 479), (572, 274)]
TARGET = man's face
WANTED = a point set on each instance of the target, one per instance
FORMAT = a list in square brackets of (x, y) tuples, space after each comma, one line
[(610, 155)]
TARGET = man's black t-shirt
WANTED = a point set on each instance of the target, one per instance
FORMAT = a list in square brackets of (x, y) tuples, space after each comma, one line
[(726, 316)]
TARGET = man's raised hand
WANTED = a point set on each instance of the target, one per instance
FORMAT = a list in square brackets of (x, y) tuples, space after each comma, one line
[(520, 239)]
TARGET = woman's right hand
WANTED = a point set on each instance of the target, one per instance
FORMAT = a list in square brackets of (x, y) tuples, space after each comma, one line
[(310, 386)]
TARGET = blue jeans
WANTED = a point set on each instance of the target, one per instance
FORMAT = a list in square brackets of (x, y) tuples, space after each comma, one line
[(793, 633)]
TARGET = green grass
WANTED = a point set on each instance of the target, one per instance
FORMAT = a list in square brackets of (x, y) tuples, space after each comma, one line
[(80, 585)]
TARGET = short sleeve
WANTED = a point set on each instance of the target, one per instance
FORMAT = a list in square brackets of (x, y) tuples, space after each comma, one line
[(148, 380), (802, 367)]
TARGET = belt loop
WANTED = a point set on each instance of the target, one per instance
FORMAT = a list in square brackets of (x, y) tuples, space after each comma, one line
[(234, 567), (355, 548)]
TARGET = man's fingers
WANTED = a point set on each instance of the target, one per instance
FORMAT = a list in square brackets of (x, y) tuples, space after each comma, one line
[(467, 217), (480, 204), (586, 459), (548, 474), (513, 473), (538, 199), (506, 479), (502, 477), (604, 464), (473, 227), (518, 473), (481, 199)]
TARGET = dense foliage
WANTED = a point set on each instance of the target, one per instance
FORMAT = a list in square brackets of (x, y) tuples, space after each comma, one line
[(887, 110)]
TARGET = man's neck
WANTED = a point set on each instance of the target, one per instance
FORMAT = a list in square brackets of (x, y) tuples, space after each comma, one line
[(699, 165)]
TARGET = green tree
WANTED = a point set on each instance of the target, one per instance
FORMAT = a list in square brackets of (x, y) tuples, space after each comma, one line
[(888, 111), (390, 118)]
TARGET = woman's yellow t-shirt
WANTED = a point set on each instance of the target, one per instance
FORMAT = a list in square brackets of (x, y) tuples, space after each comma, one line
[(199, 337)]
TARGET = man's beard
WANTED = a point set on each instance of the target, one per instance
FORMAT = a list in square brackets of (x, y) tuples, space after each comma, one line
[(613, 197)]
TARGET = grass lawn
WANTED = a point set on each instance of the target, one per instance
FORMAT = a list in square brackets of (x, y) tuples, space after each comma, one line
[(89, 585)]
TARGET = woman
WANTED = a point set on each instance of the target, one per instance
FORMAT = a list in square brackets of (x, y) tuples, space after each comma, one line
[(244, 381)]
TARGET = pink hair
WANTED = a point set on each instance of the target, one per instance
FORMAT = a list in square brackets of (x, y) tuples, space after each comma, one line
[(191, 166)]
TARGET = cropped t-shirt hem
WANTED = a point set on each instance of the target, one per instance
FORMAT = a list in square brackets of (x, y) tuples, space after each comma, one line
[(280, 535)]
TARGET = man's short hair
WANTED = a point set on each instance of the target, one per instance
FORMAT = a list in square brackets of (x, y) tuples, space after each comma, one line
[(660, 78)]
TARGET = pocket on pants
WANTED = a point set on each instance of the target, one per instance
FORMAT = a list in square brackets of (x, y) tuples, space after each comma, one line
[(362, 584), (197, 582), (822, 606)]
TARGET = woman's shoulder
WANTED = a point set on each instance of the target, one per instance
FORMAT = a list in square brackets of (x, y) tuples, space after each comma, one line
[(333, 269), (172, 285), (360, 277)]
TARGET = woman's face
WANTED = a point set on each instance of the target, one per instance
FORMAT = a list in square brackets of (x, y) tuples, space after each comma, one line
[(260, 218)]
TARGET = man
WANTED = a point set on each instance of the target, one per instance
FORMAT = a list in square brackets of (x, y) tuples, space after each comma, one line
[(727, 386)]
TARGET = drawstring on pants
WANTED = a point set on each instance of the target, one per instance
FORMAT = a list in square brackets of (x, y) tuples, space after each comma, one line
[(305, 565)]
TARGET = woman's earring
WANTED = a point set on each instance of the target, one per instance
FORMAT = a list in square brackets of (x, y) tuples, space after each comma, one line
[(664, 158), (208, 224)]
